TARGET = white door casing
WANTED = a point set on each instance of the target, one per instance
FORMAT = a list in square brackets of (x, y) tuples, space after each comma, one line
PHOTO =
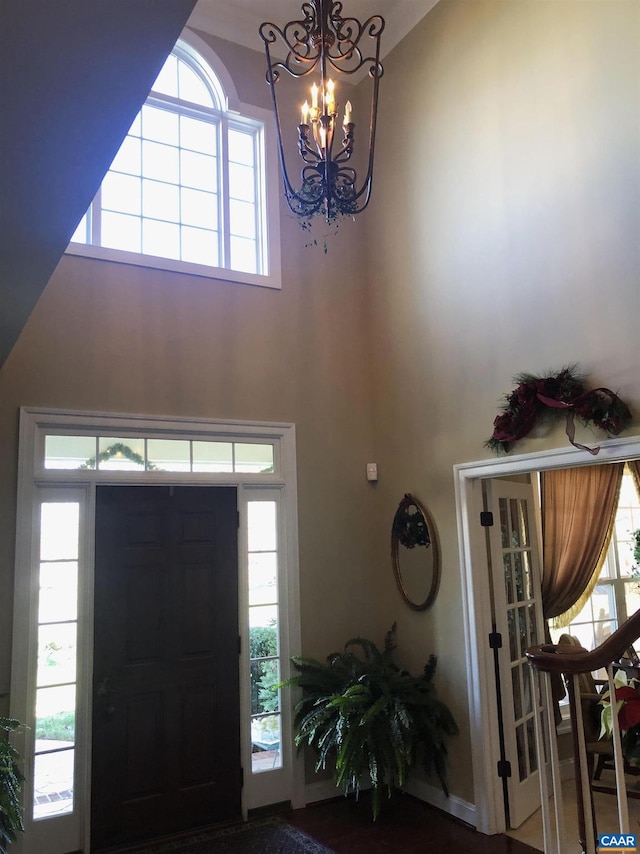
[(476, 604), (36, 483)]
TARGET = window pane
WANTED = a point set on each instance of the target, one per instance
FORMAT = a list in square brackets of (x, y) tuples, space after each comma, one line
[(199, 209), (167, 80), (160, 162), (191, 87), (517, 697), (136, 127), (129, 158), (241, 147), (264, 675), (55, 716), (263, 578), (161, 239), (199, 171), (243, 255), (160, 201), (56, 654), (507, 560), (632, 597), (58, 592), (120, 231), (263, 642), (265, 615), (120, 454), (160, 125), (198, 135), (212, 456), (261, 522), (253, 458), (200, 247), (169, 454), (121, 193), (242, 219), (265, 743), (242, 184), (69, 452), (59, 528), (53, 784), (80, 235)]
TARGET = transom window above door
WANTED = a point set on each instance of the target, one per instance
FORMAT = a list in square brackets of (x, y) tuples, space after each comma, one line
[(189, 190), (137, 453)]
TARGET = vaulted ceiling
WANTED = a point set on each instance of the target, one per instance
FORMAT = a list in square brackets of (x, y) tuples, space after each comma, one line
[(75, 74)]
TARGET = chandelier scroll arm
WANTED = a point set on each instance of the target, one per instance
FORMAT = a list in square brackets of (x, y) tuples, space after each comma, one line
[(325, 41)]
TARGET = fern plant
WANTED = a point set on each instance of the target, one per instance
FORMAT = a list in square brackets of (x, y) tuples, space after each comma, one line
[(10, 786), (369, 719)]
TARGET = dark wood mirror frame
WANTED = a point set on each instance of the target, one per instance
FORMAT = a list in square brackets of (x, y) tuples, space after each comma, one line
[(413, 527)]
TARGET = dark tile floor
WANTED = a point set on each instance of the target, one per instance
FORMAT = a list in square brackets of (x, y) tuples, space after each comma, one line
[(405, 826)]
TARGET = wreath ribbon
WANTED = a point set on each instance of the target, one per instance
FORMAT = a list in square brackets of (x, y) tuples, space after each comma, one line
[(570, 429)]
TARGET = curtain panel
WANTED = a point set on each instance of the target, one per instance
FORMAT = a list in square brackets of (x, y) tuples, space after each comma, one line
[(578, 513)]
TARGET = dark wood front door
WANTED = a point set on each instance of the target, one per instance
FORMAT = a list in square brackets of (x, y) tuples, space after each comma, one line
[(166, 709)]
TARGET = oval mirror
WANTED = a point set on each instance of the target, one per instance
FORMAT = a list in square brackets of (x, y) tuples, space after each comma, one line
[(414, 554)]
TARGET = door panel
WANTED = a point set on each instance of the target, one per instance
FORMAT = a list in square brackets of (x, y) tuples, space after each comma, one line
[(166, 743), (518, 617)]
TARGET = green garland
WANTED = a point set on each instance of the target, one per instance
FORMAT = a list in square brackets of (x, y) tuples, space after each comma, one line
[(112, 451), (563, 393)]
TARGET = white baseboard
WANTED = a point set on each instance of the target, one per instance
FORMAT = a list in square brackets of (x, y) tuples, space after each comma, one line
[(433, 795)]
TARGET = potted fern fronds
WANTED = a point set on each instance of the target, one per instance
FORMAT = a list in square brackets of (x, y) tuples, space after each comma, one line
[(370, 720), (10, 786)]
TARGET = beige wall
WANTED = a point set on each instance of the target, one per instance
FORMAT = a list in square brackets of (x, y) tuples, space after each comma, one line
[(116, 338), (502, 237)]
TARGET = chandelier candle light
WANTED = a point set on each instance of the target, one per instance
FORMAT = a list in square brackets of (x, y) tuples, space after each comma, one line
[(325, 42)]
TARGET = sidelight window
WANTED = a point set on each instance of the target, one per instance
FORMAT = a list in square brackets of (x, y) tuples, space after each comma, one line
[(266, 728), (53, 783)]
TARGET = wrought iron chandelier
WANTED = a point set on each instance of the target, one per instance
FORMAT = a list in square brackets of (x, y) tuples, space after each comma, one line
[(323, 42)]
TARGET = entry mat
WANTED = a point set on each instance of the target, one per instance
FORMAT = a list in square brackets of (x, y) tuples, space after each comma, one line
[(259, 836)]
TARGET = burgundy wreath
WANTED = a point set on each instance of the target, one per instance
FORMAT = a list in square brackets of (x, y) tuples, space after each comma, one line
[(536, 397)]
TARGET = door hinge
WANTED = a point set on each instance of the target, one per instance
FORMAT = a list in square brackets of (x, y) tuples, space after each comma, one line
[(241, 777), (486, 519), (495, 640), (504, 768), (239, 644), (237, 518)]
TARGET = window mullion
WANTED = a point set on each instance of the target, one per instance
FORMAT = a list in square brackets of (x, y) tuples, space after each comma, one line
[(95, 219), (223, 179)]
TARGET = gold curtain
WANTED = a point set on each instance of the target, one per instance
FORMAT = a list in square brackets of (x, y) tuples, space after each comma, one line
[(578, 512)]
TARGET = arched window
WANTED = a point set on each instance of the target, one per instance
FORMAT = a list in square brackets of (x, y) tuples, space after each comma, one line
[(187, 189)]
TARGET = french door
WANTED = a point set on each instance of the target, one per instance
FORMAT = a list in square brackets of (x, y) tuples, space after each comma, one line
[(515, 570)]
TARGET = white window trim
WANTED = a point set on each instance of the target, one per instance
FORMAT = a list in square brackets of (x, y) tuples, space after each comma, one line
[(72, 831), (269, 184)]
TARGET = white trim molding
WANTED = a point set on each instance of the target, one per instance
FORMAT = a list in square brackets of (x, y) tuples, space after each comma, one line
[(56, 835)]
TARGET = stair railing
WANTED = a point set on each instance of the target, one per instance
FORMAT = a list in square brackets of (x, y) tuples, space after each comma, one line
[(570, 662)]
